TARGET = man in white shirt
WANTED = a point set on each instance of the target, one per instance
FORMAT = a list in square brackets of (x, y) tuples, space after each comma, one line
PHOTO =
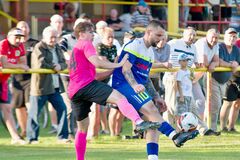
[(207, 54)]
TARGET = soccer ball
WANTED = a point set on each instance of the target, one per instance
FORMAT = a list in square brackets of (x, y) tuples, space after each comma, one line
[(187, 122)]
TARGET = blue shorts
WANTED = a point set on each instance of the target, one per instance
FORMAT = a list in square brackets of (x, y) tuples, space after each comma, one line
[(136, 99)]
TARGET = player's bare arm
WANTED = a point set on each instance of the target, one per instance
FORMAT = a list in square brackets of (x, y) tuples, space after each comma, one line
[(127, 72), (97, 62)]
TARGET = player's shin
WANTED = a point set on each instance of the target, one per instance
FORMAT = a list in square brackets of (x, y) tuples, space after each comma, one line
[(80, 145), (152, 151), (128, 111), (167, 129)]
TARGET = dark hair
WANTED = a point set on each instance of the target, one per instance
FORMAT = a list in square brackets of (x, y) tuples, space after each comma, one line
[(84, 26), (155, 24)]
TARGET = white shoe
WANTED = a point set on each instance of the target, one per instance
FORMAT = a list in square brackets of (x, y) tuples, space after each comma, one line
[(64, 141), (33, 142), (18, 141)]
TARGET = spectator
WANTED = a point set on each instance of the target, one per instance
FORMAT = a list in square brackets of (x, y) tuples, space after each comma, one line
[(128, 36), (12, 55), (99, 33), (67, 44), (108, 51), (68, 41), (184, 12), (126, 19), (226, 11), (161, 56), (21, 82), (59, 7), (229, 57), (197, 13), (238, 43), (215, 9), (69, 16), (183, 45), (235, 19), (47, 87), (56, 21), (229, 113), (177, 46), (207, 54), (159, 12), (142, 16), (114, 22), (184, 86)]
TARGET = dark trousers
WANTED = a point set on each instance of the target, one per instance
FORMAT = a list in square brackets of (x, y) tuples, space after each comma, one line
[(36, 105)]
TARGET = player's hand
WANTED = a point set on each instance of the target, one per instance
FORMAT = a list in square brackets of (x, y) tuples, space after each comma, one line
[(124, 60), (57, 67), (138, 88), (161, 105)]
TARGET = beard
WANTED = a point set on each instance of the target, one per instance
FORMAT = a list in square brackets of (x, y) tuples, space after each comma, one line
[(153, 44)]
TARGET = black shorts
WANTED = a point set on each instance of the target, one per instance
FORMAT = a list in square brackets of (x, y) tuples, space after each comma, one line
[(232, 91), (197, 16), (20, 97), (226, 12), (96, 91)]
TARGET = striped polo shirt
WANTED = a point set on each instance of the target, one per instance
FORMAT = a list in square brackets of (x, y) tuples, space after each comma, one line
[(142, 18), (178, 46)]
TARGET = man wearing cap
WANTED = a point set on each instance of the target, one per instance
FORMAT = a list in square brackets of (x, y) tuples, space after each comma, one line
[(12, 55), (21, 82), (142, 16), (221, 81)]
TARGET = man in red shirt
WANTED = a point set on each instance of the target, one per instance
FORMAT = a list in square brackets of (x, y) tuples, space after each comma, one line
[(238, 43), (12, 55)]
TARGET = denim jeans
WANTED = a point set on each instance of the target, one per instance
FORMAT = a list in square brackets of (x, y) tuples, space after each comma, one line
[(36, 105)]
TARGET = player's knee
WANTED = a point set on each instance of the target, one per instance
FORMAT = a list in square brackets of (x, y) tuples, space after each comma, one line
[(153, 110), (115, 96), (150, 110)]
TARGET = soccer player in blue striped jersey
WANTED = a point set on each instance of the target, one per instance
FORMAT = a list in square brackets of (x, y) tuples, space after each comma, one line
[(130, 79)]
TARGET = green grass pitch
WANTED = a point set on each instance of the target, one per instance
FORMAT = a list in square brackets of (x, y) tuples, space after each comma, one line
[(224, 147)]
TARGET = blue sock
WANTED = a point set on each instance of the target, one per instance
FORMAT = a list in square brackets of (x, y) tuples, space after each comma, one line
[(166, 128), (152, 149)]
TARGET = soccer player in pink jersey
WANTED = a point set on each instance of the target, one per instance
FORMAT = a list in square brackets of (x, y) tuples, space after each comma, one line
[(83, 89)]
